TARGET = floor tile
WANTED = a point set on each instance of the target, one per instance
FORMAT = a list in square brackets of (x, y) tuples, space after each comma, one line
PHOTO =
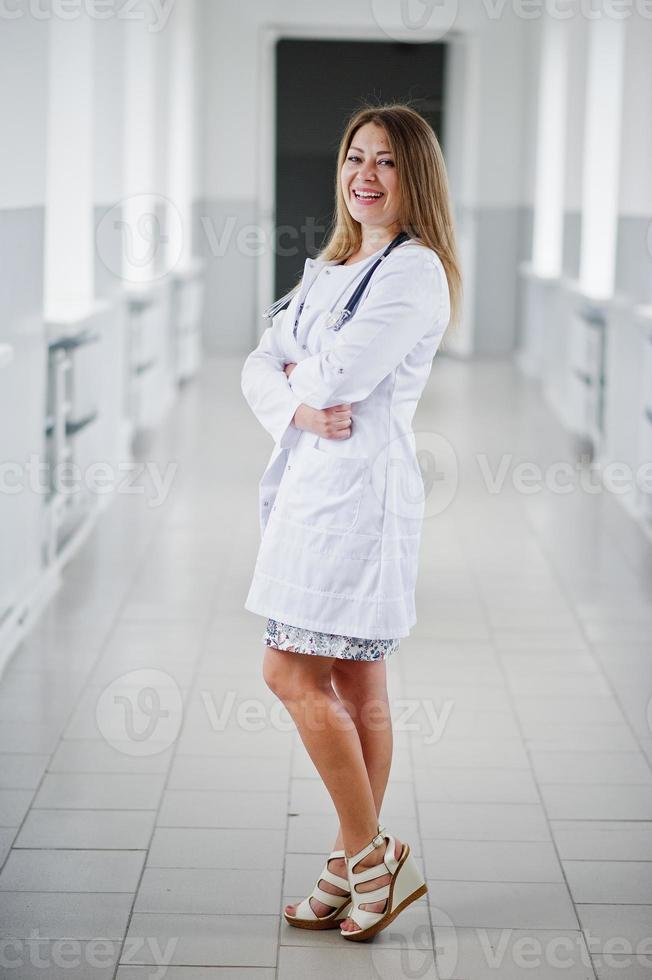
[(60, 870), (208, 891), (106, 829), (508, 905), (606, 924), (359, 963), (512, 954), (611, 882), (592, 802), (603, 840), (213, 808), (216, 848), (108, 791), (469, 860), (474, 785), (477, 821), (202, 940), (64, 915)]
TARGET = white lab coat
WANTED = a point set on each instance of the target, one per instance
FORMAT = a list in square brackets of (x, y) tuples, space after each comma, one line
[(341, 519)]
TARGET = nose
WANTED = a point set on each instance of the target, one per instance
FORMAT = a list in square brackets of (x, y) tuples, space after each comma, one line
[(368, 171)]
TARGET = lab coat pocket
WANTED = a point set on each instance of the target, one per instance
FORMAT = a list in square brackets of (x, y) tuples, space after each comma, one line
[(325, 490)]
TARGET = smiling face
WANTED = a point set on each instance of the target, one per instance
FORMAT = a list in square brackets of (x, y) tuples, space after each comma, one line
[(369, 181)]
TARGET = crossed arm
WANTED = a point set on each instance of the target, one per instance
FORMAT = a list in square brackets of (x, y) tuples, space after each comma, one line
[(408, 299), (265, 384)]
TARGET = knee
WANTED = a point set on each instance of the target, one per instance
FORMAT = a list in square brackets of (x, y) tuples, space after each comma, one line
[(360, 693), (277, 675)]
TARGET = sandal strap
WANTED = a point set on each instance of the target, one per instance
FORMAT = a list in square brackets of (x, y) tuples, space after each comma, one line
[(363, 917), (371, 846), (334, 900), (377, 895), (368, 874), (305, 910), (334, 879)]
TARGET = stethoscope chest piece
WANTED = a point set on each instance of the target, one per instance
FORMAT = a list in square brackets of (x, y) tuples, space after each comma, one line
[(336, 319)]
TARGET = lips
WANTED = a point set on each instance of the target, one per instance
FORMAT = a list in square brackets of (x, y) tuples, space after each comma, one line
[(370, 196)]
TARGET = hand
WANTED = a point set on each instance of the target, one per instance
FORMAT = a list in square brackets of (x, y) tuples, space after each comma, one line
[(289, 368), (328, 423)]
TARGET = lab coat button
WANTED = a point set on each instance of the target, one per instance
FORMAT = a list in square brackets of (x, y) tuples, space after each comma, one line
[(304, 346), (340, 370)]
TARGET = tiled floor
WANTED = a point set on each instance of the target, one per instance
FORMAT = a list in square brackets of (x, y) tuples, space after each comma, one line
[(156, 807)]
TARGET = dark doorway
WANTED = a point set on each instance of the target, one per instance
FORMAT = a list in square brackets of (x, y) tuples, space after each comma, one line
[(319, 83)]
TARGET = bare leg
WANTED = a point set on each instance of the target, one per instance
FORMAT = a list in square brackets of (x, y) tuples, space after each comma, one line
[(363, 687), (333, 741)]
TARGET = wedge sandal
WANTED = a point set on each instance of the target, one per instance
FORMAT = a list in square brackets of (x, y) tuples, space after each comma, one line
[(405, 887)]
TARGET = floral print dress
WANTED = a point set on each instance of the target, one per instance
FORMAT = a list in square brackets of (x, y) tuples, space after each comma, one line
[(299, 640)]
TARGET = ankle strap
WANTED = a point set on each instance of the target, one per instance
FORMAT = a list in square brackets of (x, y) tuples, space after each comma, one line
[(371, 846)]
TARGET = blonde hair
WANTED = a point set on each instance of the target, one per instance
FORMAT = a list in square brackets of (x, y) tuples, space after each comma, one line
[(425, 206)]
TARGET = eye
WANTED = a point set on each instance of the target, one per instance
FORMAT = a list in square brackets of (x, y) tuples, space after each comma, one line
[(353, 157)]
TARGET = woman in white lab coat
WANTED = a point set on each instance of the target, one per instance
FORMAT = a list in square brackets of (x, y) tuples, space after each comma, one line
[(339, 516)]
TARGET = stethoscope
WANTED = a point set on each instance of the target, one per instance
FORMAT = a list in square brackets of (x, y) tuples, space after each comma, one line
[(338, 317)]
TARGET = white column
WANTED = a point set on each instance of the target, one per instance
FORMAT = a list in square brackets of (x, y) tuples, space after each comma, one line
[(69, 273), (181, 133), (602, 156), (635, 197), (141, 228), (548, 229)]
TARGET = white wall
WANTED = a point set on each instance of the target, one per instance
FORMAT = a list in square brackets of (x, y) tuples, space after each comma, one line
[(109, 78), (23, 70), (635, 196)]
